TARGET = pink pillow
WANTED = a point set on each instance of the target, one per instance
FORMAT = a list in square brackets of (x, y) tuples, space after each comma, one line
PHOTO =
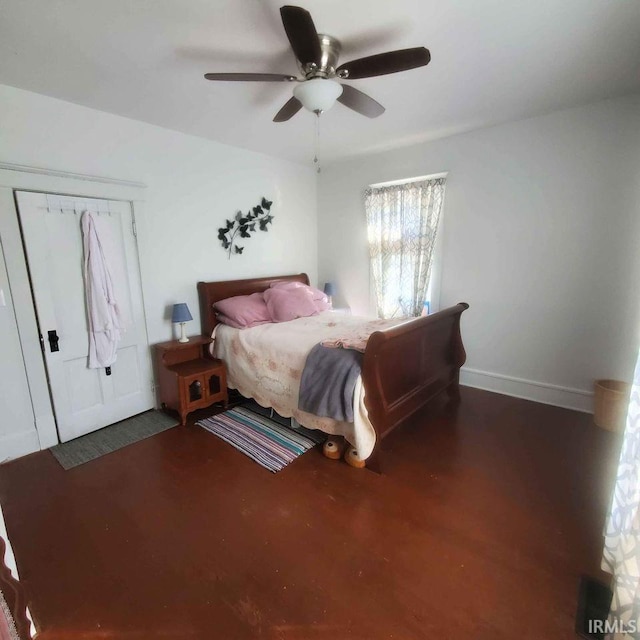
[(290, 284), (243, 311), (321, 300), (319, 297), (286, 304), (232, 323)]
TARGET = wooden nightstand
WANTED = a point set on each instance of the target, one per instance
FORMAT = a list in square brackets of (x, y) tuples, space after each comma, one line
[(188, 377)]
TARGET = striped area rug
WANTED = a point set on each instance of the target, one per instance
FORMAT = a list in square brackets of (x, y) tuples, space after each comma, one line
[(267, 442)]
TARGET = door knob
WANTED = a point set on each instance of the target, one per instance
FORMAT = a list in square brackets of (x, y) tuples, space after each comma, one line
[(53, 341)]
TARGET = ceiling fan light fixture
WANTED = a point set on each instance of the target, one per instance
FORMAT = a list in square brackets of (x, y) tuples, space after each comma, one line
[(318, 94)]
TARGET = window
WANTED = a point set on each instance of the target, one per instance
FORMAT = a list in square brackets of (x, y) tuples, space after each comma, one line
[(402, 225)]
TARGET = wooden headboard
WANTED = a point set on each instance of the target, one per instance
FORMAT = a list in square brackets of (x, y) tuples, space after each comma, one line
[(211, 292)]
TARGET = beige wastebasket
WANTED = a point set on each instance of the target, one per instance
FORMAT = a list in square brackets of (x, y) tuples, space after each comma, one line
[(611, 400)]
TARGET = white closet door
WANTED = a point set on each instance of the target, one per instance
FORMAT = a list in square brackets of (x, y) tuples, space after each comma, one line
[(85, 399)]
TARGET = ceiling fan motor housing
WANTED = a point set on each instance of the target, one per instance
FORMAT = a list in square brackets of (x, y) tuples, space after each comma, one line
[(330, 48), (317, 56)]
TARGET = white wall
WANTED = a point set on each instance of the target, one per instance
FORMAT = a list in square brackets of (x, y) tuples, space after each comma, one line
[(193, 185), (541, 237), (541, 229)]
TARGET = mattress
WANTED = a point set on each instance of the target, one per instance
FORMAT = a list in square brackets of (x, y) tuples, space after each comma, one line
[(266, 363)]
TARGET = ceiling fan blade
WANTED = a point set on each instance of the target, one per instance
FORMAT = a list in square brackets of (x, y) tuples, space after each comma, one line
[(383, 63), (302, 34), (291, 107), (250, 77), (360, 102)]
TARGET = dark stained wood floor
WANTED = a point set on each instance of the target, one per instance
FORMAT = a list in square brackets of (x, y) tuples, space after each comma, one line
[(480, 528)]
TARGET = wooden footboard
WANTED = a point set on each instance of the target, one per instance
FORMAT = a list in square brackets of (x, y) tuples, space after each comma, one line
[(406, 366)]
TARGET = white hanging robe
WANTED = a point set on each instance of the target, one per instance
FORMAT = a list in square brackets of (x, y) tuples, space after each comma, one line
[(105, 321)]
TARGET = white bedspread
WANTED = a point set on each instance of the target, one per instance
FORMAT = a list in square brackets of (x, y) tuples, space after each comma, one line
[(266, 362)]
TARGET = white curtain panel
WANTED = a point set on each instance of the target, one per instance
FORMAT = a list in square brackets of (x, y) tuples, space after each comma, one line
[(621, 556), (402, 222)]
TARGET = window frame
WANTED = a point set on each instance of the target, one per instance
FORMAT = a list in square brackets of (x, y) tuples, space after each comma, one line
[(435, 281)]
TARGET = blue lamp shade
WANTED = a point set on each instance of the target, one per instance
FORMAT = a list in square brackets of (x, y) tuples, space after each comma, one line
[(181, 313), (330, 288)]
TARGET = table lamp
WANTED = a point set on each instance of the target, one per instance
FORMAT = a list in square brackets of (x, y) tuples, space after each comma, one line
[(330, 291), (182, 315)]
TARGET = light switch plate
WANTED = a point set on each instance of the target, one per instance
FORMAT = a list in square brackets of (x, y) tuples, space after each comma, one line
[(3, 302)]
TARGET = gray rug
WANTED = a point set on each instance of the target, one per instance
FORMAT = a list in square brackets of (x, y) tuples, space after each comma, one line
[(119, 435)]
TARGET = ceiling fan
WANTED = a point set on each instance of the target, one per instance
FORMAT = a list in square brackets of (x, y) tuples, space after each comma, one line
[(317, 56)]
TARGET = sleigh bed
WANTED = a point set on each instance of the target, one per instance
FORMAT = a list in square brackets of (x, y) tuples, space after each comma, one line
[(403, 367)]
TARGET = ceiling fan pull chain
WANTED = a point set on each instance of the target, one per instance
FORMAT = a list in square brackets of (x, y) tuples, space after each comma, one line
[(316, 158)]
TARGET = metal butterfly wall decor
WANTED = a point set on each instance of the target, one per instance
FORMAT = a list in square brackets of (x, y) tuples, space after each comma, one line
[(243, 225)]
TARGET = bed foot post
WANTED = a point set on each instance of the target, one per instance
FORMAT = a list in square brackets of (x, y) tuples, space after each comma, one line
[(453, 397), (453, 390), (374, 462)]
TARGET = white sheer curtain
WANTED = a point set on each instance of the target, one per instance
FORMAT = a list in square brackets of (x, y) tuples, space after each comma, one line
[(402, 222), (621, 556)]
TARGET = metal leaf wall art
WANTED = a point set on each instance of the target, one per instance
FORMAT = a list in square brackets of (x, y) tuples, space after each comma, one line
[(243, 225)]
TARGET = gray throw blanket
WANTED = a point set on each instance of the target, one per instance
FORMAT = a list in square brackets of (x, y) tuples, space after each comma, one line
[(328, 382)]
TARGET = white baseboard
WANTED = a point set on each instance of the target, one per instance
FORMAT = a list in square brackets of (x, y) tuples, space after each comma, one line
[(18, 444), (565, 397)]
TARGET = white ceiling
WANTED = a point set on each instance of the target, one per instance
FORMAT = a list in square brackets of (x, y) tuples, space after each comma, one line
[(492, 61)]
